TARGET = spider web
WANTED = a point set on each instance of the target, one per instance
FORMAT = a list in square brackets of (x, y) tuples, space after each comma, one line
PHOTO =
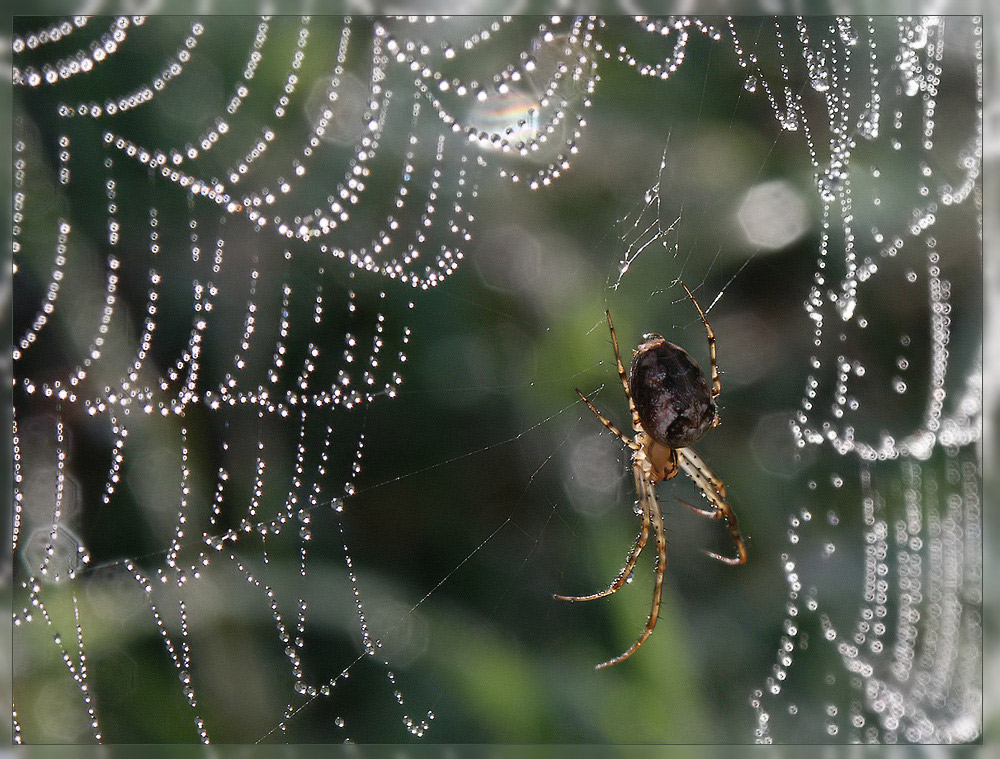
[(267, 485)]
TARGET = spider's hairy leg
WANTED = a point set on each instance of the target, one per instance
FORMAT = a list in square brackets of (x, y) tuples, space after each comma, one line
[(716, 382), (622, 375), (648, 498), (608, 423), (729, 517), (626, 571), (713, 489)]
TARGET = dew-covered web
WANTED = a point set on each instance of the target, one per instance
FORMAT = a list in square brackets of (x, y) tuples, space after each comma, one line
[(894, 385), (882, 634), (235, 243)]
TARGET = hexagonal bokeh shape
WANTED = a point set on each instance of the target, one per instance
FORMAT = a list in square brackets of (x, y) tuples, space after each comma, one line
[(53, 555), (775, 447), (773, 215)]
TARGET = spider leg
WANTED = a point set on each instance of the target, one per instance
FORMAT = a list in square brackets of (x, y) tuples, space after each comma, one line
[(648, 498), (623, 575), (621, 373), (715, 491), (716, 383), (607, 423)]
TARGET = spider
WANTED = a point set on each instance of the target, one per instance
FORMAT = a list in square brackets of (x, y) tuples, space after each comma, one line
[(672, 406)]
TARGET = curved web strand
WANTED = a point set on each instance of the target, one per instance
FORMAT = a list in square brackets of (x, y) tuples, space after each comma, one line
[(226, 234)]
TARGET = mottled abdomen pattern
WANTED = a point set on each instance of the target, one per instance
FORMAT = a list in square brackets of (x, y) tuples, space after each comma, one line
[(671, 393)]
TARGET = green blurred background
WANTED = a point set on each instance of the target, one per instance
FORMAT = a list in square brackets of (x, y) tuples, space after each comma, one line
[(485, 485)]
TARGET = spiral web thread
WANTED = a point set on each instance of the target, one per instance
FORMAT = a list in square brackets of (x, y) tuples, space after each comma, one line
[(174, 302)]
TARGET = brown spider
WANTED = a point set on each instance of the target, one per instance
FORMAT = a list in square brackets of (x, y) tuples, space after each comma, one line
[(672, 407)]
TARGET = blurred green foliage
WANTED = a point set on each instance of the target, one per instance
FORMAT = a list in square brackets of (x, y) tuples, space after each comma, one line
[(465, 521)]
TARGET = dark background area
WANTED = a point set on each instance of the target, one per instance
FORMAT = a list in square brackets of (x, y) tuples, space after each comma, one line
[(485, 486)]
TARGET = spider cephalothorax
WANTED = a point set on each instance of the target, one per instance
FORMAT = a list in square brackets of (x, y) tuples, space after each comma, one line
[(673, 406)]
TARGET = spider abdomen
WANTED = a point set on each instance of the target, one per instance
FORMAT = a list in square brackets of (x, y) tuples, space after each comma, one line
[(671, 393)]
